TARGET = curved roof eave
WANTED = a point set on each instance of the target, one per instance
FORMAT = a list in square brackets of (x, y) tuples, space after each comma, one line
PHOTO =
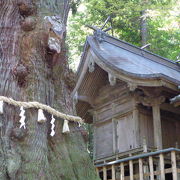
[(153, 79), (138, 79), (155, 76)]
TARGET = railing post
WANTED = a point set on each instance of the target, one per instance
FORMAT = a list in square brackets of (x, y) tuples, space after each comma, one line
[(141, 175), (104, 173), (174, 166), (161, 157), (113, 172), (131, 169), (145, 170), (97, 172), (122, 171), (151, 168)]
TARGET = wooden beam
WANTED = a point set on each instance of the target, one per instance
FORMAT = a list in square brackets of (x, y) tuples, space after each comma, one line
[(151, 168), (161, 157), (141, 174), (174, 166), (131, 169), (157, 126), (91, 65), (122, 171), (113, 173), (170, 108), (104, 173), (112, 79)]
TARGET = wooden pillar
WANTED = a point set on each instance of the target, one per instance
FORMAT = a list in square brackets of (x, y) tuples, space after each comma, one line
[(155, 103), (157, 126), (94, 132), (113, 173), (151, 168), (141, 173), (122, 171), (174, 166), (104, 173), (136, 126), (161, 157), (94, 143), (114, 126), (131, 169), (97, 172), (146, 170)]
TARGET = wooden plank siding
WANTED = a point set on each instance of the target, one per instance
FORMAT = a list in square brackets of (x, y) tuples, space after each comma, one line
[(146, 127), (125, 133), (121, 107), (170, 131), (104, 140), (121, 123)]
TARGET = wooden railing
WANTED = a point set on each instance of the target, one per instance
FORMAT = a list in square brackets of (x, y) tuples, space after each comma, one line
[(159, 165)]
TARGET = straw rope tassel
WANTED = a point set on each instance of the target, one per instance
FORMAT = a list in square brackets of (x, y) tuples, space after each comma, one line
[(52, 126), (65, 127), (1, 107), (23, 117), (41, 117)]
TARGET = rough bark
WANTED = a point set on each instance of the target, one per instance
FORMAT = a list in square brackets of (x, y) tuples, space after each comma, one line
[(143, 27), (29, 71)]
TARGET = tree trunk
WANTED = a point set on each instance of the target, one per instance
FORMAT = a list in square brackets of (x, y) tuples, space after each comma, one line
[(143, 26), (31, 69)]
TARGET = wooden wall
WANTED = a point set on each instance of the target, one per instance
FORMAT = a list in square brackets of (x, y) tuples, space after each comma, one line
[(125, 133), (118, 104), (122, 125), (170, 129), (104, 140), (113, 104), (146, 127)]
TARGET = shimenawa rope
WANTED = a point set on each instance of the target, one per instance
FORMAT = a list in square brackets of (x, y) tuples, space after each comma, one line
[(38, 105)]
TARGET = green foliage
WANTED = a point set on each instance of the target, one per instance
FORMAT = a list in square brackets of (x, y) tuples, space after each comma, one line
[(162, 18), (164, 34)]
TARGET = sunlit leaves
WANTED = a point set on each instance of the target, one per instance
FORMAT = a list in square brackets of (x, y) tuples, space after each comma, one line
[(162, 16)]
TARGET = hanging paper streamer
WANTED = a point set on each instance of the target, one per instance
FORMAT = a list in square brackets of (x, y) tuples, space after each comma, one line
[(52, 126), (79, 124), (1, 107), (41, 117), (65, 127), (23, 117)]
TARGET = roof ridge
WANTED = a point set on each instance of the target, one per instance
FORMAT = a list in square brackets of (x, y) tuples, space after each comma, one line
[(134, 46)]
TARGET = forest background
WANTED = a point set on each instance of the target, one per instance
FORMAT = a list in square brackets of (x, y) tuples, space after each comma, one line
[(139, 22)]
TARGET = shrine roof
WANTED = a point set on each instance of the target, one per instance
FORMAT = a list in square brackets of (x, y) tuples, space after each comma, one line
[(131, 60)]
